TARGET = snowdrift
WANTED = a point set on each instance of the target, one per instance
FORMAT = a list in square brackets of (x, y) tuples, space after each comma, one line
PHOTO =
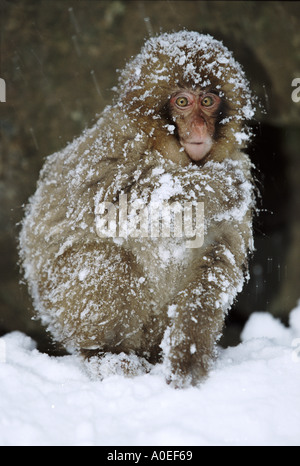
[(251, 397)]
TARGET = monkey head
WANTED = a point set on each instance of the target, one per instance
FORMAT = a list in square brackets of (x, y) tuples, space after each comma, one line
[(189, 85)]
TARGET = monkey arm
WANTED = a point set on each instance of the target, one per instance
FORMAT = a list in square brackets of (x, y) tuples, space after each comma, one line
[(196, 315)]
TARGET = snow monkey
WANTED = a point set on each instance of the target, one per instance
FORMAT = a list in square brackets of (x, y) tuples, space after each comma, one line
[(173, 137)]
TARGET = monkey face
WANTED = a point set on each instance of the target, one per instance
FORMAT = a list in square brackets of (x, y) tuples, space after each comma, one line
[(194, 114)]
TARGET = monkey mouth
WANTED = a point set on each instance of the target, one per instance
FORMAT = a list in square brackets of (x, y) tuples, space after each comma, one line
[(186, 141), (193, 143), (197, 150)]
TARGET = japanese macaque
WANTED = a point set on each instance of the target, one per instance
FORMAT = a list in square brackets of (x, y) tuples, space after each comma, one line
[(174, 137)]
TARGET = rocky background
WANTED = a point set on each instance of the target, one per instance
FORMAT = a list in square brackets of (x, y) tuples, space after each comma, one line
[(58, 60)]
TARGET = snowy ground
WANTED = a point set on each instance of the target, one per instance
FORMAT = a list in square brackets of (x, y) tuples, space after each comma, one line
[(252, 397)]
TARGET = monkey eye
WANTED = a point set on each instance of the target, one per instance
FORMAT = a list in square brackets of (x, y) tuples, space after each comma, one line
[(182, 102), (207, 101)]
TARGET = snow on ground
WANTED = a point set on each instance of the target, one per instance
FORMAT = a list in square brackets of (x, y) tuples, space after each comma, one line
[(252, 397)]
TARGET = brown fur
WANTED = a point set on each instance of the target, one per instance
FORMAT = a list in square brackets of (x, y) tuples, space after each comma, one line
[(102, 295)]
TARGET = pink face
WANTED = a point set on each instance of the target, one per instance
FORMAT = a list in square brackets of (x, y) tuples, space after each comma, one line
[(195, 116)]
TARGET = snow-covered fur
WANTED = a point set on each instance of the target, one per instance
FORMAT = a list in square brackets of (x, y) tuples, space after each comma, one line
[(153, 297)]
